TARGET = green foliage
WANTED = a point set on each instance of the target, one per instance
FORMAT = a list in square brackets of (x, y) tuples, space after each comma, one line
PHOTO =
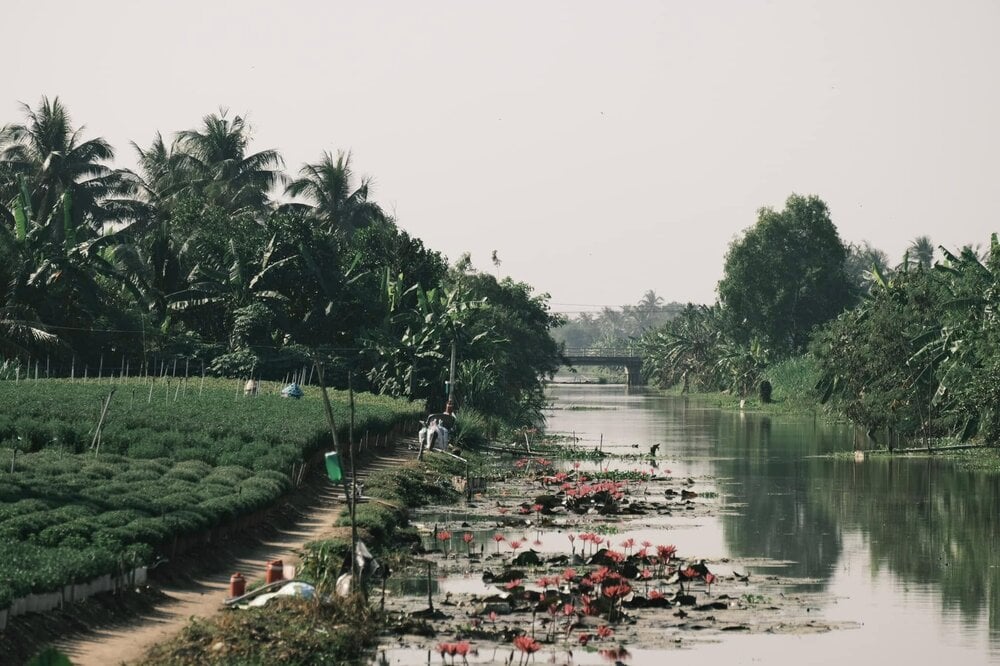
[(474, 428), (919, 356), (794, 380), (500, 331), (189, 259), (785, 276), (292, 631), (166, 468), (695, 351), (377, 520)]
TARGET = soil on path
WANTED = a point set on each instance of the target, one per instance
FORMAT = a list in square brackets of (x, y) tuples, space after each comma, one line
[(202, 595)]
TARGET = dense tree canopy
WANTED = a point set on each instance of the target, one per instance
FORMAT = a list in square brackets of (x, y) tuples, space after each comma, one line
[(192, 258), (919, 357), (785, 275)]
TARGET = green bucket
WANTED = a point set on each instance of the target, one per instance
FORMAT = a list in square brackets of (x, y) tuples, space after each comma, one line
[(333, 467)]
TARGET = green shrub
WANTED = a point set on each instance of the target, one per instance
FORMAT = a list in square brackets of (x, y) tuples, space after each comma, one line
[(165, 468)]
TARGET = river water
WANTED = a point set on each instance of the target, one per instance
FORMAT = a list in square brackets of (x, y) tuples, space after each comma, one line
[(906, 548)]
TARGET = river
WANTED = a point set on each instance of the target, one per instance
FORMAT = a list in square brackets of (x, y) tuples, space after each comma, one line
[(906, 548)]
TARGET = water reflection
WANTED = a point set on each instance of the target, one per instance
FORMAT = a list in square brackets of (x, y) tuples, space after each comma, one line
[(914, 542)]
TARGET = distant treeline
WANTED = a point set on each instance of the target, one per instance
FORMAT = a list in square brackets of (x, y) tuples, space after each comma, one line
[(616, 328)]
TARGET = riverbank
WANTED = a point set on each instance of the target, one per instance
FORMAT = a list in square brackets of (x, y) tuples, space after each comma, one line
[(285, 631)]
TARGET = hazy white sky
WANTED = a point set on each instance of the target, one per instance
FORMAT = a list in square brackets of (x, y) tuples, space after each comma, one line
[(602, 148)]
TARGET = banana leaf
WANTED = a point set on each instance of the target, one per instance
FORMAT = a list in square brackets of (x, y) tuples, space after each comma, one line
[(20, 221)]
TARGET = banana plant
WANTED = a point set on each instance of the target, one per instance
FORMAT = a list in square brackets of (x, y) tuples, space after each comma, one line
[(413, 343)]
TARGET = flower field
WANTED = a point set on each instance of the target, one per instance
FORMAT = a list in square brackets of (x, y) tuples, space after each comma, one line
[(174, 459)]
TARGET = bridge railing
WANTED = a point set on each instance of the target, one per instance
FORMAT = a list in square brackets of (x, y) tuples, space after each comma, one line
[(598, 351)]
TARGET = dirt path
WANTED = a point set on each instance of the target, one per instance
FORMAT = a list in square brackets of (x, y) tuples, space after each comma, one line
[(203, 596)]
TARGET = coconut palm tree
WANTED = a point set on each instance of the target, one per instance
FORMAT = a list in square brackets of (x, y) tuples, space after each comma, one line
[(333, 200), (214, 161), (646, 310), (46, 160), (921, 251), (69, 207)]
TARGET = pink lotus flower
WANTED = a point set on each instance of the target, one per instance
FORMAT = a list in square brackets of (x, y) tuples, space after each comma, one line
[(527, 644)]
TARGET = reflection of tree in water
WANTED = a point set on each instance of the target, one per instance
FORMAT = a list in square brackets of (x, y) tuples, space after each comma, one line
[(774, 478), (928, 523)]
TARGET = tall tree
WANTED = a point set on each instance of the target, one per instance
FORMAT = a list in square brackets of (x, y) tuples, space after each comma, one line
[(62, 177), (785, 275), (69, 207), (328, 186), (921, 251), (215, 161)]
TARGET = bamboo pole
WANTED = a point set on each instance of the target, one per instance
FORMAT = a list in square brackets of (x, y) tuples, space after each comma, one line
[(100, 423), (354, 483), (328, 410)]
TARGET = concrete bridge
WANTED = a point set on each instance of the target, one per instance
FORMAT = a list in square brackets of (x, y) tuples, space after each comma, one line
[(618, 358)]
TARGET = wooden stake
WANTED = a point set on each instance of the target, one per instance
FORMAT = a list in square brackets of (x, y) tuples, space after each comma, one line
[(430, 596), (100, 423)]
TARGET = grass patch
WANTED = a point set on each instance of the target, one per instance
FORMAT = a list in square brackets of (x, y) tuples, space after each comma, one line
[(288, 631)]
